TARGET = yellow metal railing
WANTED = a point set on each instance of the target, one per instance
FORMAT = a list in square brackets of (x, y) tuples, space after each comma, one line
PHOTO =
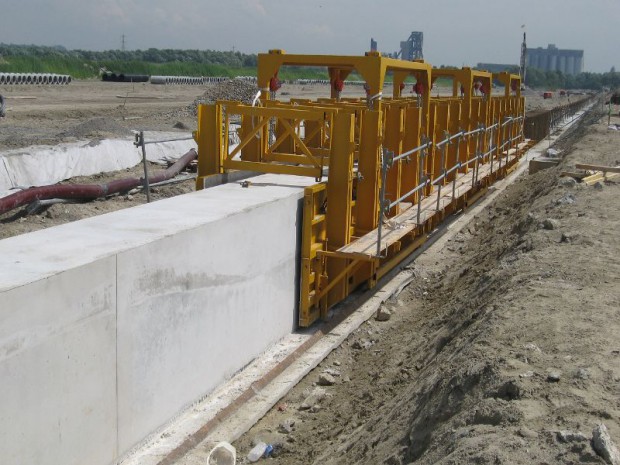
[(396, 166)]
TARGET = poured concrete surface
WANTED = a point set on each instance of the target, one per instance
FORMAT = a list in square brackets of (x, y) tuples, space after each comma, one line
[(112, 325), (58, 367)]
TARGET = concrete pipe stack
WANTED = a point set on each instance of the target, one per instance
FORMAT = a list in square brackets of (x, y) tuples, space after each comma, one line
[(9, 79), (188, 80)]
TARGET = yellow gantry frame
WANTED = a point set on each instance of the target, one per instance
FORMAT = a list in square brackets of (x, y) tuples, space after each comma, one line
[(342, 245)]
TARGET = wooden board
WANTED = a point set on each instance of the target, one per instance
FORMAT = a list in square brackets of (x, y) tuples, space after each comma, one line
[(604, 169), (397, 227)]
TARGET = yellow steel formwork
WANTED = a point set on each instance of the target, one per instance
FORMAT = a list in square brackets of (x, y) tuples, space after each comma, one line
[(396, 166)]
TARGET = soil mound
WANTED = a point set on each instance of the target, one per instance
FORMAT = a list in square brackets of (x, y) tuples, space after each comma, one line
[(234, 90), (97, 128)]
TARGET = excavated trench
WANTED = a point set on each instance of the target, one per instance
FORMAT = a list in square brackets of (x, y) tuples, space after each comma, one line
[(501, 350)]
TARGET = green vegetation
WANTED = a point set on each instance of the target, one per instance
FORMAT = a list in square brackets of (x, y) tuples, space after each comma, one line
[(84, 64), (556, 80)]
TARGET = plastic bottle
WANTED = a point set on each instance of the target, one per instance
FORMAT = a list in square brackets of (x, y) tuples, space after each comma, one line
[(257, 452)]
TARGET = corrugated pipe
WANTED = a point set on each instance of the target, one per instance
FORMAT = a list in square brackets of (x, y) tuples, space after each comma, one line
[(33, 79), (183, 80), (90, 191)]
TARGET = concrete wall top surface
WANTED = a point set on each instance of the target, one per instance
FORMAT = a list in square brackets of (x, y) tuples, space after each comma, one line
[(23, 260)]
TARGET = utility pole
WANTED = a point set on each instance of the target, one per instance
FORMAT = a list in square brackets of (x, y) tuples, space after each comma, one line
[(123, 42), (522, 67)]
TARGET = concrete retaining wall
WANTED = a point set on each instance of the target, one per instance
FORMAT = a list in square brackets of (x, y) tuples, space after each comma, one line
[(112, 325)]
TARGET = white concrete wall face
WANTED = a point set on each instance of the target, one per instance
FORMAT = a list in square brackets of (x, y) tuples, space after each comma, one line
[(111, 326), (58, 368), (196, 307)]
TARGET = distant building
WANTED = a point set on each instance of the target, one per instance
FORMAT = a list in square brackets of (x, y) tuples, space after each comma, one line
[(411, 49), (498, 67), (555, 59)]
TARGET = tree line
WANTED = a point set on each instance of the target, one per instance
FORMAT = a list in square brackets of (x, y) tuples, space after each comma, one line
[(151, 55), (552, 80), (86, 63)]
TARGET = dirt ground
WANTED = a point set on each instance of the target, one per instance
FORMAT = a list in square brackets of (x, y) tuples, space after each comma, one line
[(38, 115), (93, 110), (505, 349)]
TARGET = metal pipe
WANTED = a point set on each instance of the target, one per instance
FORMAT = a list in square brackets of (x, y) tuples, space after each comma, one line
[(384, 168), (90, 191), (167, 140), (412, 151), (443, 169), (411, 192), (421, 194), (474, 177), (472, 132), (146, 172), (507, 120), (449, 139)]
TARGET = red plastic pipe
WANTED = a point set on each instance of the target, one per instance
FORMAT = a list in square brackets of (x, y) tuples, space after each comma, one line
[(90, 191)]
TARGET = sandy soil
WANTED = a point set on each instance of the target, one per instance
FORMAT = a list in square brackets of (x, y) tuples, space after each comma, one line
[(92, 110), (50, 114), (39, 115), (503, 350)]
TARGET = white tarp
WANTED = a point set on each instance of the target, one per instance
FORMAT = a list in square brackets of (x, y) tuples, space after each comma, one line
[(43, 165)]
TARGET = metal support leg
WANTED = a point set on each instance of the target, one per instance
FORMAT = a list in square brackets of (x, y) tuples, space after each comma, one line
[(443, 173), (139, 142), (458, 145), (474, 177), (421, 194), (385, 165)]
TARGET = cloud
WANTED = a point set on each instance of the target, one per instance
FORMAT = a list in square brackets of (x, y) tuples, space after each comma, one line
[(113, 10), (321, 30), (255, 6)]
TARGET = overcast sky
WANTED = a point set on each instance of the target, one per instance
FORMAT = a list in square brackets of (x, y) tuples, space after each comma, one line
[(456, 32)]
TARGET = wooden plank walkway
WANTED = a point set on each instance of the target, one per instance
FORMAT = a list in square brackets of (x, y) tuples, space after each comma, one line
[(397, 227)]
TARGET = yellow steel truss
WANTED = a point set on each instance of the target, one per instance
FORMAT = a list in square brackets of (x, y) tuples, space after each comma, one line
[(397, 166)]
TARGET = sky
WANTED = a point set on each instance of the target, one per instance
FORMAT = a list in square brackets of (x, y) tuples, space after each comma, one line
[(456, 32)]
